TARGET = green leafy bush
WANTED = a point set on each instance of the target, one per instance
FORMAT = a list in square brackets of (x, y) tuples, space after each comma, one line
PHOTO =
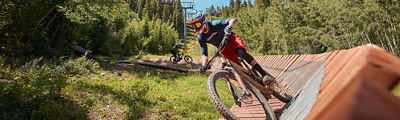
[(79, 66), (34, 89)]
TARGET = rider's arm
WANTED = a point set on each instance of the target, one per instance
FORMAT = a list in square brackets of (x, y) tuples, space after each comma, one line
[(225, 22), (233, 22)]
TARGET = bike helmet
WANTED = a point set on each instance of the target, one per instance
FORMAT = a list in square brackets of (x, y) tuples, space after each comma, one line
[(198, 22)]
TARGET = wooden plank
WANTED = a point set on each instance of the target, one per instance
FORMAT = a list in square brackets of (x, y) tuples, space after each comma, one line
[(355, 62), (336, 65), (359, 96), (303, 102)]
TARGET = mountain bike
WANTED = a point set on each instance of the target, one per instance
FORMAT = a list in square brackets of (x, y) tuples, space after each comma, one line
[(235, 84), (179, 57)]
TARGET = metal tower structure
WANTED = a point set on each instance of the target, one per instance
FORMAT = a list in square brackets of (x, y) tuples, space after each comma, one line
[(185, 6)]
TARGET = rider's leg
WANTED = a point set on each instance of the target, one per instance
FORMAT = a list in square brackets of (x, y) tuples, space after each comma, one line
[(174, 54), (235, 48), (249, 59)]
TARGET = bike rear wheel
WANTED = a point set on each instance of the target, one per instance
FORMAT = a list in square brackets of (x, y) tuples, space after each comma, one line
[(222, 97), (173, 60)]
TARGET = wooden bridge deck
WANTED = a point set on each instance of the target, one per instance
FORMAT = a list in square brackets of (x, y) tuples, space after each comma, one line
[(345, 84)]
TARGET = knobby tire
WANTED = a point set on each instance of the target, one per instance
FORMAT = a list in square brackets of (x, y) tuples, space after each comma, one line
[(172, 59), (188, 59), (285, 97), (221, 107)]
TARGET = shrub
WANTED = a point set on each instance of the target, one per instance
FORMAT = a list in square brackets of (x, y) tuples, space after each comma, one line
[(80, 66), (33, 91)]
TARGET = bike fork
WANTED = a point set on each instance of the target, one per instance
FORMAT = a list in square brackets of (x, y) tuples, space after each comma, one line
[(244, 93), (235, 97)]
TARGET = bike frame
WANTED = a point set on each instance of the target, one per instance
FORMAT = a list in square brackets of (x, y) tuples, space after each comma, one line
[(239, 72), (252, 80), (179, 56)]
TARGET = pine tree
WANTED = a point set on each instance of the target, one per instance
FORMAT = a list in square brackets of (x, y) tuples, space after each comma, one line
[(133, 4), (140, 8), (165, 14), (144, 32), (231, 4), (266, 3), (261, 4), (152, 9), (159, 9), (244, 5), (237, 7), (147, 10), (178, 18), (227, 11), (258, 4), (211, 11), (218, 11), (250, 4)]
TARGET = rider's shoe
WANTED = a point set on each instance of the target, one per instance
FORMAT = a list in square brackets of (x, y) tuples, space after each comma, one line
[(268, 80)]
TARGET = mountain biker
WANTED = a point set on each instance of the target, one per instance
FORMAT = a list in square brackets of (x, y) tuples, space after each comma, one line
[(213, 33), (175, 50)]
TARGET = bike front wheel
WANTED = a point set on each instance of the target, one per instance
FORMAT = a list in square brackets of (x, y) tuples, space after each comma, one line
[(224, 91), (279, 92), (188, 59)]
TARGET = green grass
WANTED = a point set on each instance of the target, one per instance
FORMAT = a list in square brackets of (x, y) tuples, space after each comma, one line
[(224, 93), (183, 97), (396, 90), (150, 56), (142, 93)]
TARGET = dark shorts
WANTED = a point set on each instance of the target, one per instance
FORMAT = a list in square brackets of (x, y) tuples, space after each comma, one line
[(230, 49)]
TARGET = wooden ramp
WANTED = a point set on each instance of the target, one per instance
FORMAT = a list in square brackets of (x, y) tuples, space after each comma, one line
[(165, 63), (345, 84)]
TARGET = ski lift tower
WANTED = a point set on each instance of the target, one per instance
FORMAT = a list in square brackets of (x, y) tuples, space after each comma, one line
[(185, 6)]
